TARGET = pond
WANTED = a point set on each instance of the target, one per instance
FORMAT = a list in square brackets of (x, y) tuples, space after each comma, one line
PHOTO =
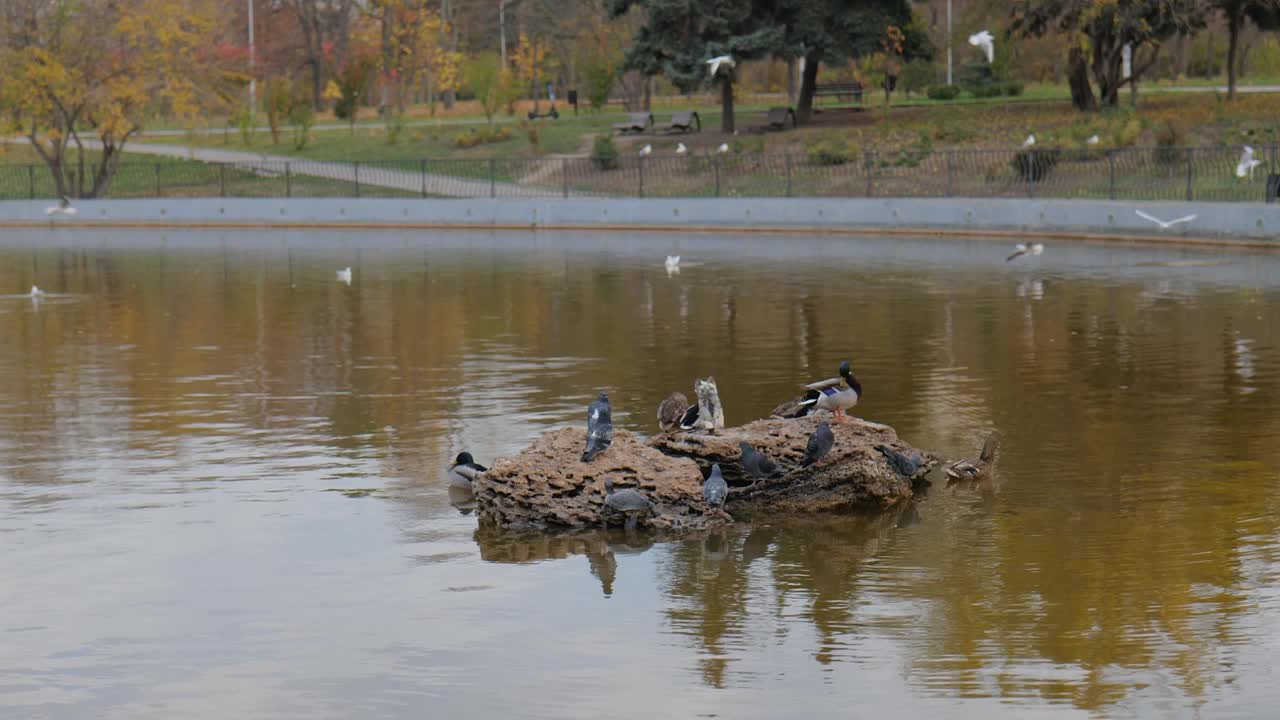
[(222, 488)]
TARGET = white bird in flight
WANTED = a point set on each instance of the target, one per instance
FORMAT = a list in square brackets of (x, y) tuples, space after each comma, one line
[(1024, 249), (1165, 224), (1031, 140), (681, 149), (672, 264), (36, 292), (983, 39), (724, 148), (344, 276), (1247, 163), (647, 149), (713, 65), (62, 208), (1094, 140)]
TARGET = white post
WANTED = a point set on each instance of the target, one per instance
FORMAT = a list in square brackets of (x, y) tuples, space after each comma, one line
[(949, 42), (502, 30), (253, 84)]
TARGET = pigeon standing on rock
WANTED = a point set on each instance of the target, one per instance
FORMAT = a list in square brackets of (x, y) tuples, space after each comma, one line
[(599, 427), (756, 465), (820, 443), (908, 466), (715, 490)]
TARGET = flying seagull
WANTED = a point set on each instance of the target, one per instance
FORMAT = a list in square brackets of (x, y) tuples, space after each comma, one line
[(672, 264), (1165, 225), (983, 39), (62, 208), (344, 276), (1025, 249), (36, 292), (713, 65), (1247, 163)]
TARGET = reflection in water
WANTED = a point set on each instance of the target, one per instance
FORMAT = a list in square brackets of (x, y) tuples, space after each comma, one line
[(177, 406)]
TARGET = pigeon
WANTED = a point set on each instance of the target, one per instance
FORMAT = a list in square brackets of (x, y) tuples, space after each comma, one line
[(715, 489), (1025, 249), (62, 208), (724, 148), (464, 470), (1247, 163), (681, 149), (820, 443), (906, 466), (984, 40), (1030, 141), (715, 63), (756, 464), (671, 411), (646, 150), (344, 276), (1165, 224), (599, 427)]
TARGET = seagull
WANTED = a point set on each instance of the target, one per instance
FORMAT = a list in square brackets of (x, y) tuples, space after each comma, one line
[(681, 149), (672, 264), (1025, 249), (36, 292), (1031, 140), (1165, 225), (984, 40), (344, 276), (62, 208), (1247, 163), (715, 63), (1094, 140), (724, 148), (647, 149)]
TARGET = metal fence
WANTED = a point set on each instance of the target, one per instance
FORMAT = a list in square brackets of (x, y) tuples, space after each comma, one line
[(1154, 173)]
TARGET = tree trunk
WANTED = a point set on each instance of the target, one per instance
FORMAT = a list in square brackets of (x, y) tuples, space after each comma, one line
[(791, 81), (1082, 96), (808, 81), (726, 104), (317, 89), (1234, 18)]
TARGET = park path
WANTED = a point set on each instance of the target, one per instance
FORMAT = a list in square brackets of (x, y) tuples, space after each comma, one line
[(365, 175)]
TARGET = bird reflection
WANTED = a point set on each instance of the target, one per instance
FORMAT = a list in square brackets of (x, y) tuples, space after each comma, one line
[(462, 499), (604, 566)]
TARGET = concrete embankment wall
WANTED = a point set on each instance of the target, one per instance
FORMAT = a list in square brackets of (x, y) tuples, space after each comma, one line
[(1255, 224)]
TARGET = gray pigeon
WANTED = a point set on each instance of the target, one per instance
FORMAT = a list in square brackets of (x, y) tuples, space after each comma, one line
[(599, 427), (820, 443), (715, 489), (904, 465), (755, 464)]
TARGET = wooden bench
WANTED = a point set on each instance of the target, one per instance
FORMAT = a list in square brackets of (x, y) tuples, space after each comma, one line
[(636, 122), (778, 117), (687, 121), (840, 89)]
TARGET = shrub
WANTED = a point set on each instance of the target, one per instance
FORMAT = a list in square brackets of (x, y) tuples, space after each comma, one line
[(1170, 140), (1013, 88), (480, 136), (1034, 165), (832, 151), (916, 76), (987, 90), (604, 154), (944, 92)]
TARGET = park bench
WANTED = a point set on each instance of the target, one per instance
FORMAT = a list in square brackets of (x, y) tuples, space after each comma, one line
[(778, 117), (636, 122), (840, 89), (686, 121)]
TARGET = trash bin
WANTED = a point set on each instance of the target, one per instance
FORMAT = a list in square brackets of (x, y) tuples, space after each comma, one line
[(1273, 187)]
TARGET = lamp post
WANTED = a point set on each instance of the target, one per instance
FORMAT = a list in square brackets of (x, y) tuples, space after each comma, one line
[(948, 42), (253, 84)]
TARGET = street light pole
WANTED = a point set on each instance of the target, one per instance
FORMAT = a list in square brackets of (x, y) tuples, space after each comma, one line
[(502, 30), (253, 84), (949, 42)]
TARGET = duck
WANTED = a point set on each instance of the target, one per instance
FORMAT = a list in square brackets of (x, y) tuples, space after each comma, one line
[(979, 469), (672, 411), (835, 394), (463, 470)]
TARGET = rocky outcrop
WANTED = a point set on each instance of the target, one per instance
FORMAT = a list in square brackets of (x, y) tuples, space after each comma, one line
[(548, 485), (852, 476)]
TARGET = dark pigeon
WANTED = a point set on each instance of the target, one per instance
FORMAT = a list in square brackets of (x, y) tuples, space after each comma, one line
[(820, 443), (599, 427), (755, 464), (906, 466)]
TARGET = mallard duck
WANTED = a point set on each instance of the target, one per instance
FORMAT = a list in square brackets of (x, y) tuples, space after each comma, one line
[(464, 470), (979, 469), (672, 411), (836, 394)]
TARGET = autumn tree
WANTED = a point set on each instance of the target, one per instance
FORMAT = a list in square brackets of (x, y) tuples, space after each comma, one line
[(1263, 13), (84, 77), (1100, 30), (412, 39), (326, 29)]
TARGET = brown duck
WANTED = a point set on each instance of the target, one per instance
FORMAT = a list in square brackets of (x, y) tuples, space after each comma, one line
[(979, 469)]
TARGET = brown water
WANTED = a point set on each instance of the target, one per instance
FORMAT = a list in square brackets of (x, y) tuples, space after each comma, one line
[(181, 410)]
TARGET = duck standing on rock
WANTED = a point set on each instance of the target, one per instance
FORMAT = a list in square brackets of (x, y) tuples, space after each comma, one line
[(628, 502), (820, 443), (716, 491), (836, 395), (599, 427), (979, 469), (464, 470)]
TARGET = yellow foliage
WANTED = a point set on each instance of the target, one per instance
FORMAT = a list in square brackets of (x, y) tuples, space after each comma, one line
[(332, 91)]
